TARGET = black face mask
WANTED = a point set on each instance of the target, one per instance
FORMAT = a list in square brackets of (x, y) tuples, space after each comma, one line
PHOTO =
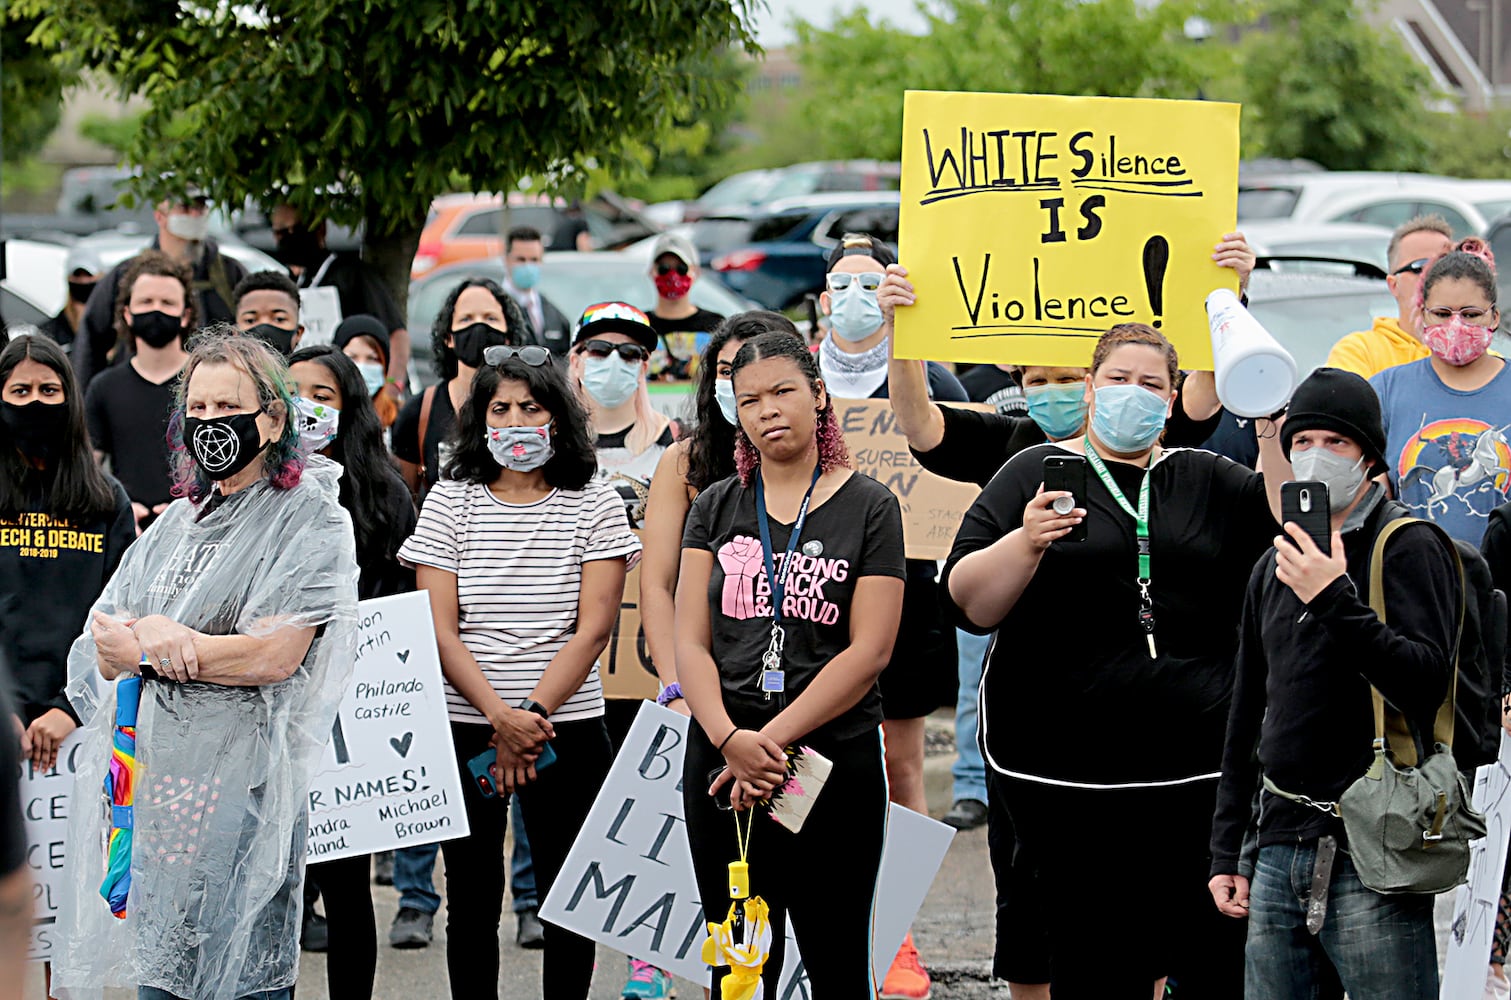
[(156, 328), (37, 428), (300, 248), (470, 342), (276, 337), (223, 446), (79, 291)]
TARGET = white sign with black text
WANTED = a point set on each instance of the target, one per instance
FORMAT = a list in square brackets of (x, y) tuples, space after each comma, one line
[(46, 800), (1476, 903), (389, 776), (628, 881)]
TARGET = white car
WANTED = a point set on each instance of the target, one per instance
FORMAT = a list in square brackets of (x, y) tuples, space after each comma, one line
[(35, 287), (114, 247), (1380, 199), (1345, 241)]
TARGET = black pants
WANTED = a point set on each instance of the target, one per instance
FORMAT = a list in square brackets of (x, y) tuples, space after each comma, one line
[(824, 877), (352, 959), (1021, 950), (555, 807)]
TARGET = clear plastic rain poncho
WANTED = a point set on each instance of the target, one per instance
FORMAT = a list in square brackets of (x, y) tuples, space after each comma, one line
[(224, 772)]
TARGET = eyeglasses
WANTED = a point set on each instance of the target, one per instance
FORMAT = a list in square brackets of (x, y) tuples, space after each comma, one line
[(680, 267), (532, 355), (838, 281), (1468, 314), (1415, 267), (603, 348)]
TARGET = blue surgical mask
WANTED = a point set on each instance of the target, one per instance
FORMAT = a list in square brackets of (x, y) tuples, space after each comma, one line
[(524, 276), (724, 392), (317, 423), (373, 376), (1128, 418), (1059, 410), (611, 381), (521, 449), (854, 313)]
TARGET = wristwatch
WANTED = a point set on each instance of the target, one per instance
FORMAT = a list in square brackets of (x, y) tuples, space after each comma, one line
[(536, 707)]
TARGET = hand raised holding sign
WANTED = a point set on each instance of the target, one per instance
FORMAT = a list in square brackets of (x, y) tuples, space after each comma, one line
[(1234, 251), (896, 290)]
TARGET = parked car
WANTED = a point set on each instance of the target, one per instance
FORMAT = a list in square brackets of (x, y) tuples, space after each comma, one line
[(1381, 199), (114, 246), (1309, 312), (572, 281), (470, 226), (1349, 241), (1300, 196), (755, 190), (780, 258), (35, 287)]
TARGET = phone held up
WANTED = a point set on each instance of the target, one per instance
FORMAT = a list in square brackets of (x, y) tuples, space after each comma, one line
[(1306, 504), (481, 769), (1067, 473)]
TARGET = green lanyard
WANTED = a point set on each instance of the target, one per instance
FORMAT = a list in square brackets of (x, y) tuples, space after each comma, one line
[(1141, 524)]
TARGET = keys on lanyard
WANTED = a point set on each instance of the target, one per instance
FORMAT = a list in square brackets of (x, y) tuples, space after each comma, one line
[(773, 678)]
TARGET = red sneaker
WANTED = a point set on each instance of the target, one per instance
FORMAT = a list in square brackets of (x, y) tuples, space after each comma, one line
[(907, 979)]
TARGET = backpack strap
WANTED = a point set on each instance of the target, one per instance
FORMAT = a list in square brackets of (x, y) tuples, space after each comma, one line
[(426, 402), (1397, 734)]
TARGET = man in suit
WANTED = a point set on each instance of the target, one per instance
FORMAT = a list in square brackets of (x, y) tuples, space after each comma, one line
[(523, 251)]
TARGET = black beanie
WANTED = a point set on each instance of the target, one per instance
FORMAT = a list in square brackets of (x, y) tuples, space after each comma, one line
[(1332, 399), (363, 325)]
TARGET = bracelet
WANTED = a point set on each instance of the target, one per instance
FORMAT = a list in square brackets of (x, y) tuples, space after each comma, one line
[(669, 694), (731, 736)]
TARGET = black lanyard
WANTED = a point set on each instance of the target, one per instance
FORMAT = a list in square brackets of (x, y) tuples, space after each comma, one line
[(773, 680)]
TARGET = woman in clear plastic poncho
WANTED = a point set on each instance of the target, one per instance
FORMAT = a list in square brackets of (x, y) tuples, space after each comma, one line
[(238, 607)]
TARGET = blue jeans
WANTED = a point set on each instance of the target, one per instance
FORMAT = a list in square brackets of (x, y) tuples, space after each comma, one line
[(1382, 947), (969, 769), (414, 869)]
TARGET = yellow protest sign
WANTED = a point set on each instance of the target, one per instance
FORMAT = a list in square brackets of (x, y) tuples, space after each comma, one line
[(1030, 224)]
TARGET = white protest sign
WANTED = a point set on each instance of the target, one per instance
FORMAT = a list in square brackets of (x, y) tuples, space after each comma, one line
[(46, 798), (320, 312), (389, 777), (1475, 904), (628, 881)]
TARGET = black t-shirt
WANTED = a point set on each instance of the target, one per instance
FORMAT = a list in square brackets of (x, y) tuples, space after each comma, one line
[(406, 433), (51, 573), (380, 572), (995, 387), (128, 421), (12, 830), (358, 287), (1071, 692), (857, 532), (702, 321)]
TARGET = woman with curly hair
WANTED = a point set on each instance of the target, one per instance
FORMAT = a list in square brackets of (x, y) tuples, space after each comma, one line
[(233, 617), (787, 609), (523, 553)]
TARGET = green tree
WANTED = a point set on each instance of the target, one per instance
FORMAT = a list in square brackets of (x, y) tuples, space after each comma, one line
[(365, 110), (31, 87), (1324, 84)]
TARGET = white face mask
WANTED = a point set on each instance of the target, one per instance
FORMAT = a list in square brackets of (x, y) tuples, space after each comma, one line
[(193, 228), (724, 392), (1342, 477), (317, 422)]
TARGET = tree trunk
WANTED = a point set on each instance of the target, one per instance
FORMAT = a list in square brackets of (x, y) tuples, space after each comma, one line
[(391, 251)]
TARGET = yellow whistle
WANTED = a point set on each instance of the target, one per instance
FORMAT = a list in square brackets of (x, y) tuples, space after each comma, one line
[(739, 880)]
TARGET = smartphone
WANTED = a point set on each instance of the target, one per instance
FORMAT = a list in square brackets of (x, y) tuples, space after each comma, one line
[(1068, 473), (1306, 504), (481, 768)]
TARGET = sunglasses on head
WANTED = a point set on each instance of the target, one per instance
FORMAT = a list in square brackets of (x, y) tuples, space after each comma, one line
[(680, 267), (532, 355), (603, 348), (1415, 267), (838, 281)]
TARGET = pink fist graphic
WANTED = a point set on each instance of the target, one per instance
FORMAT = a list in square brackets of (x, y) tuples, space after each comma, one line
[(741, 560)]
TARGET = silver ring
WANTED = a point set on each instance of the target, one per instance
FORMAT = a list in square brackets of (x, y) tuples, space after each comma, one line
[(1063, 505), (165, 663)]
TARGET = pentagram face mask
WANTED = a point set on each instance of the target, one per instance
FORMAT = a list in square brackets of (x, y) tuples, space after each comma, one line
[(223, 446)]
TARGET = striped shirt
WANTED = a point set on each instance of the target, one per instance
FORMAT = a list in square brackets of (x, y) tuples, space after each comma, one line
[(519, 579)]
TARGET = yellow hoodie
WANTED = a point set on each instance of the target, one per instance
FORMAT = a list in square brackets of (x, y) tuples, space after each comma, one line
[(1372, 351)]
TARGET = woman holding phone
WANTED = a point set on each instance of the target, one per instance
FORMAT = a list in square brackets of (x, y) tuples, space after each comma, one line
[(1105, 734), (771, 660)]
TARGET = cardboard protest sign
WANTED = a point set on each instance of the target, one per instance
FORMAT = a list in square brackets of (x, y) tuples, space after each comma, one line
[(1030, 224), (625, 668), (628, 881), (46, 801), (931, 506), (1475, 904), (389, 776)]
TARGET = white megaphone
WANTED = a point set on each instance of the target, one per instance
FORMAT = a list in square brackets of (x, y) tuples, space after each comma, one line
[(1255, 375)]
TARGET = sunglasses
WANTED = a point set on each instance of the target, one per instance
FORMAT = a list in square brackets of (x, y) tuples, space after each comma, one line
[(1415, 267), (532, 355), (679, 267), (838, 281), (603, 348)]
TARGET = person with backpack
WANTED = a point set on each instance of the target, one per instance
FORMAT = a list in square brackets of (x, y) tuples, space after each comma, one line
[(1311, 648)]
